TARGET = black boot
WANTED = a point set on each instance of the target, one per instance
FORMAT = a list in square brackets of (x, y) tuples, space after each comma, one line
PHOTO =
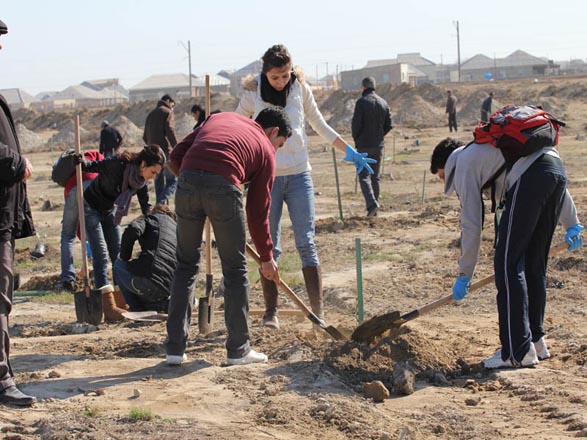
[(270, 295), (13, 396)]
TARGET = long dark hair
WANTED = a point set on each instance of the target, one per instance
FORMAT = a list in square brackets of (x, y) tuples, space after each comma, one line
[(151, 154), (276, 56)]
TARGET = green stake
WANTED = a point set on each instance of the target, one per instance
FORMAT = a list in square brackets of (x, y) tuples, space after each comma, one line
[(337, 184), (360, 310)]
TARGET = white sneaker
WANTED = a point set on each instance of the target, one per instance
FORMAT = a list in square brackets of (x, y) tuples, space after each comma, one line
[(252, 358), (541, 349), (175, 360), (496, 361)]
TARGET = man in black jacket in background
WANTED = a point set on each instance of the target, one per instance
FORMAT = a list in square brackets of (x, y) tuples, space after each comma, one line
[(371, 122), (110, 140), (15, 222)]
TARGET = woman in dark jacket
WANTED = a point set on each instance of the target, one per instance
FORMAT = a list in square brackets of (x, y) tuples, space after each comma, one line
[(145, 281), (107, 200)]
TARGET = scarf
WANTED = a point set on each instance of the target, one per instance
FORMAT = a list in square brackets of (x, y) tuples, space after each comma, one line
[(272, 96), (131, 183)]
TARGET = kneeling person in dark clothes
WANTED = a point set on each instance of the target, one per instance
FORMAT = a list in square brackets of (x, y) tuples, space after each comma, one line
[(145, 281)]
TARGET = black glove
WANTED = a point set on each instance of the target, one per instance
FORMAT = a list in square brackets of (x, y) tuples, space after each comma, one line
[(78, 158)]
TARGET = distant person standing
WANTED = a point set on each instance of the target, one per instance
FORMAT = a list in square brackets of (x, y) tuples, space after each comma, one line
[(371, 122), (160, 130), (451, 109), (110, 140), (15, 222), (486, 108)]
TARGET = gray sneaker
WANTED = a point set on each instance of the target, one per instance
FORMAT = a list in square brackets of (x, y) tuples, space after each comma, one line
[(175, 359), (541, 349)]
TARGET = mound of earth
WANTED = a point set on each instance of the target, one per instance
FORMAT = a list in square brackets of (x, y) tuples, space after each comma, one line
[(29, 140)]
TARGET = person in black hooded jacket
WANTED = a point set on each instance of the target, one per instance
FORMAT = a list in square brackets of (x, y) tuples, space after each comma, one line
[(145, 281), (15, 222), (371, 122)]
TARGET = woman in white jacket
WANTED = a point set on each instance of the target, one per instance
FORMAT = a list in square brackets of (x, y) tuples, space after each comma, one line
[(279, 85)]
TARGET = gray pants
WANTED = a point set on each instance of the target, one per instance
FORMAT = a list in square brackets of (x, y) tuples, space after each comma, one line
[(6, 290), (201, 194), (370, 182)]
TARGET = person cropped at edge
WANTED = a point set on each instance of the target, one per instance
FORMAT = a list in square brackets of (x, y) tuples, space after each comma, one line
[(146, 280), (160, 130), (213, 161), (486, 107), (199, 114), (279, 85), (16, 222), (110, 140), (69, 224), (106, 200), (371, 122), (451, 109), (536, 198)]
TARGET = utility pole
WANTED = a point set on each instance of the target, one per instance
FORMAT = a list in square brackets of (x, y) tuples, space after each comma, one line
[(458, 52), (189, 51)]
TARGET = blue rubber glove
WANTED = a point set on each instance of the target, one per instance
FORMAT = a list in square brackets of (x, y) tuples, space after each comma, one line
[(573, 237), (359, 159), (460, 288)]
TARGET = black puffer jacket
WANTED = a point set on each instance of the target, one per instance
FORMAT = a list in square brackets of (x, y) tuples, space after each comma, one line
[(16, 220), (371, 122), (105, 189), (156, 234)]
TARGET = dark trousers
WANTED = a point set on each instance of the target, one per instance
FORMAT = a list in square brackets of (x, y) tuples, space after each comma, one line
[(201, 194), (452, 121), (524, 236), (6, 290), (370, 182), (140, 293)]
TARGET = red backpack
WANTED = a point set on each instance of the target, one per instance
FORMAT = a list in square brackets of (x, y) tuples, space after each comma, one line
[(519, 131)]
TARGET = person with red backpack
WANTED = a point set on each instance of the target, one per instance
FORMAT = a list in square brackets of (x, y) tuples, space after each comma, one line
[(534, 198)]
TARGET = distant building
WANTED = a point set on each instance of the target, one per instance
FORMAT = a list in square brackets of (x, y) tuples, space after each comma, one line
[(518, 64), (81, 96), (155, 86), (17, 98)]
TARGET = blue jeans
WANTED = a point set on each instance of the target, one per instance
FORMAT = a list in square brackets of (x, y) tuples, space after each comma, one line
[(297, 191), (370, 182), (140, 293), (68, 234), (165, 185), (104, 237), (201, 194)]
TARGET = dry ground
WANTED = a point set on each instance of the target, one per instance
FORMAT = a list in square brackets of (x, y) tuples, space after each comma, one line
[(96, 383)]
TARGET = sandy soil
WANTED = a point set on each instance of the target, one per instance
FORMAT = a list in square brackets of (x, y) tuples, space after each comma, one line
[(93, 381)]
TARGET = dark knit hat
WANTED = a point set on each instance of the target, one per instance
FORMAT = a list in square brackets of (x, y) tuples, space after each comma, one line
[(3, 28)]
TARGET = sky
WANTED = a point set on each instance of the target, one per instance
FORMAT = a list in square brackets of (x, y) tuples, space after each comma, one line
[(54, 44)]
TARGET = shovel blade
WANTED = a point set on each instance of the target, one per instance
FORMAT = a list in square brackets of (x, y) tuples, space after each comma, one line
[(376, 326), (335, 333), (203, 316), (88, 308)]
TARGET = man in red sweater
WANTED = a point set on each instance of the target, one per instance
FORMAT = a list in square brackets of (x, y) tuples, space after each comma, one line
[(212, 163)]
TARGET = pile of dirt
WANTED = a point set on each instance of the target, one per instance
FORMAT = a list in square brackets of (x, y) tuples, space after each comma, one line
[(132, 135), (29, 140), (357, 364), (184, 125), (48, 282), (65, 138)]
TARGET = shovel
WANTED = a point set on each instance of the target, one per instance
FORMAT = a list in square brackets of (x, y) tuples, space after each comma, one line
[(332, 331), (206, 304), (393, 320), (88, 303)]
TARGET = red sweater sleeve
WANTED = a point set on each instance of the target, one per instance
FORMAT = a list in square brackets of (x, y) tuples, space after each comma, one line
[(258, 203)]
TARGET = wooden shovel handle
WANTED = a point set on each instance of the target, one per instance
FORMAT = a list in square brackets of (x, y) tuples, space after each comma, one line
[(475, 286), (80, 208)]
